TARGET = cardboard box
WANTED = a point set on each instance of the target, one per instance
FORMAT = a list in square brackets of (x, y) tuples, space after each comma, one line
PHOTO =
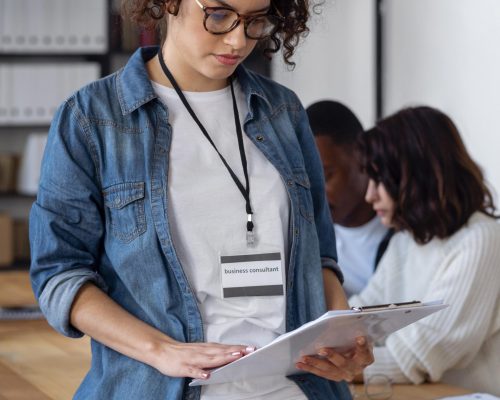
[(6, 240), (9, 164), (21, 241)]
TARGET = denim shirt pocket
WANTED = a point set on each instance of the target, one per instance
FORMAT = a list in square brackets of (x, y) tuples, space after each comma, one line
[(125, 217), (303, 187)]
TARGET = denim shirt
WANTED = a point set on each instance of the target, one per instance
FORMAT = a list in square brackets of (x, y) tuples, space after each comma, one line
[(101, 216)]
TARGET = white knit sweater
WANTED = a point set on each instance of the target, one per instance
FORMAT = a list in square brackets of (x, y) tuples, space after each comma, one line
[(461, 344)]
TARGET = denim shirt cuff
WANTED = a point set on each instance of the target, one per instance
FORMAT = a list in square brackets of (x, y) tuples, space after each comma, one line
[(330, 263), (58, 295)]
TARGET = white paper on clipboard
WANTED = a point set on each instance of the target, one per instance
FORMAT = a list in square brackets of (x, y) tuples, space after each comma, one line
[(336, 329)]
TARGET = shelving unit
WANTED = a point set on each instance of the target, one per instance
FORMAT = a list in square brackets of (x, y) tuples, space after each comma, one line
[(48, 49), (46, 35)]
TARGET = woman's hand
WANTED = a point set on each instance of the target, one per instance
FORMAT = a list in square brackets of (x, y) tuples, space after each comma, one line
[(336, 366), (194, 360), (123, 332)]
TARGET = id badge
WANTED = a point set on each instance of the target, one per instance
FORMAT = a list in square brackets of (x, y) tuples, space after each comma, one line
[(259, 274)]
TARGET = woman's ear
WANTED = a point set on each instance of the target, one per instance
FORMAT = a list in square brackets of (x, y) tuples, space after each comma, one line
[(172, 7)]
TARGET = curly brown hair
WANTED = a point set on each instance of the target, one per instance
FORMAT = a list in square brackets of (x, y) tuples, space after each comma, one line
[(421, 160), (149, 14)]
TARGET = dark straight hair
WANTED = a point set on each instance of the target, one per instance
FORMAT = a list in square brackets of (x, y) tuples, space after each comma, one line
[(421, 160)]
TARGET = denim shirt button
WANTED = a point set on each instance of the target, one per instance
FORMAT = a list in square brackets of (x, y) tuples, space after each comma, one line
[(289, 182), (260, 138)]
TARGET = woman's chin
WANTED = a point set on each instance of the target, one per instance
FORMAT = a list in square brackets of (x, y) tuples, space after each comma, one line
[(386, 220)]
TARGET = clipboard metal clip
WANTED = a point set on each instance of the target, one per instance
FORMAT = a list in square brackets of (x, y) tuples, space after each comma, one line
[(380, 307)]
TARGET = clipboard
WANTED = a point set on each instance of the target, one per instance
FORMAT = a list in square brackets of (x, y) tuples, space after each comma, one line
[(336, 329)]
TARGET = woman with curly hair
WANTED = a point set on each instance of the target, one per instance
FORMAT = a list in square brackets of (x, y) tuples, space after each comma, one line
[(447, 246), (181, 220)]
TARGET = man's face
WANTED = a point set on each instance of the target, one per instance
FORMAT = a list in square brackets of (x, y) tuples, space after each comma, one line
[(345, 183)]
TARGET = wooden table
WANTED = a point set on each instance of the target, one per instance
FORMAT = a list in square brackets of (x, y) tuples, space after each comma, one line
[(426, 391), (37, 363)]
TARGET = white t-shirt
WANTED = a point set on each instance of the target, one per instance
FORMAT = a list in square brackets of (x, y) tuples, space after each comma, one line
[(207, 218), (356, 250)]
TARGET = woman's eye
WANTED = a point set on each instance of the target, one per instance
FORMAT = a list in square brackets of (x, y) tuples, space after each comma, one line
[(221, 15)]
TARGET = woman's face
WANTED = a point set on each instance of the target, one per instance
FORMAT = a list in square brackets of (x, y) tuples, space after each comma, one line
[(381, 201), (200, 60)]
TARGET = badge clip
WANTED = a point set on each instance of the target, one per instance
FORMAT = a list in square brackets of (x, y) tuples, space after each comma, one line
[(250, 234)]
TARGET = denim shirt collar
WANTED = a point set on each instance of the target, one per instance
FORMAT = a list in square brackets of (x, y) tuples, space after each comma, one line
[(134, 86)]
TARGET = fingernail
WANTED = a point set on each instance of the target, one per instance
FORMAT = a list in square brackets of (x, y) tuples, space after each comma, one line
[(236, 353), (249, 349), (361, 341), (323, 353), (205, 375)]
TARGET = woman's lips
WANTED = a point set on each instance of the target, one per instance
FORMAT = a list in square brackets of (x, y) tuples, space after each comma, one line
[(227, 59)]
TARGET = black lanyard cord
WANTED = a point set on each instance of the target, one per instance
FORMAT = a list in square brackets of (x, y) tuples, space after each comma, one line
[(245, 191)]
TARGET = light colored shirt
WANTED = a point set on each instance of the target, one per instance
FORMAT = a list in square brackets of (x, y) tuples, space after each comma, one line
[(461, 344), (209, 219), (101, 217), (357, 249)]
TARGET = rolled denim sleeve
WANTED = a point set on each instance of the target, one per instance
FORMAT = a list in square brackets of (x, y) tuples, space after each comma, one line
[(332, 264), (322, 216), (66, 223), (58, 294)]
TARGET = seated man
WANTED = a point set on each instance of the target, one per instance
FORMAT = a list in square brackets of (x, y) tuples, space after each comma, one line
[(361, 238)]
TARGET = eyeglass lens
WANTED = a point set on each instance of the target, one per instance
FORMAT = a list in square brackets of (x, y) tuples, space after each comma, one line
[(224, 20)]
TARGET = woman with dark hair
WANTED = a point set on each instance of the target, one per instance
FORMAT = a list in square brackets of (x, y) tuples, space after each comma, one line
[(424, 184), (162, 184)]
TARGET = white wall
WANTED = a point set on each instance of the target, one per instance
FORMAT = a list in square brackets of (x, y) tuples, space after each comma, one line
[(446, 53), (337, 59)]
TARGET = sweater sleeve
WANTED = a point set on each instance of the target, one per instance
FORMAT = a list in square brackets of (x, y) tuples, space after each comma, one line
[(468, 281)]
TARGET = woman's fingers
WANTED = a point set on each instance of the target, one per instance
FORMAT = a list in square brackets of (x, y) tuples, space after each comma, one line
[(194, 360), (339, 366), (363, 352), (212, 356), (324, 368), (195, 373)]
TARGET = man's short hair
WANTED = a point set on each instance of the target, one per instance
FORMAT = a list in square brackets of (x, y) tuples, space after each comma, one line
[(333, 119)]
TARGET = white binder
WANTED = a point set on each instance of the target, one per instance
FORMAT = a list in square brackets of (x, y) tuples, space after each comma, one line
[(53, 26), (30, 93), (336, 329)]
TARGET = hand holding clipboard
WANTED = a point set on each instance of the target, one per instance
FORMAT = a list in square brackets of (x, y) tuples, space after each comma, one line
[(337, 329)]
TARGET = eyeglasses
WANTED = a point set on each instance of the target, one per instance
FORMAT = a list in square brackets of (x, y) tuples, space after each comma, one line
[(220, 20)]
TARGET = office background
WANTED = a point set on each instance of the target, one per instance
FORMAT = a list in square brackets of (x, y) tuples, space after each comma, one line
[(443, 53)]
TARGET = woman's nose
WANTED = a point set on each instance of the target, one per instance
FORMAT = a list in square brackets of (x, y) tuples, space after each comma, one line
[(371, 192), (236, 38)]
